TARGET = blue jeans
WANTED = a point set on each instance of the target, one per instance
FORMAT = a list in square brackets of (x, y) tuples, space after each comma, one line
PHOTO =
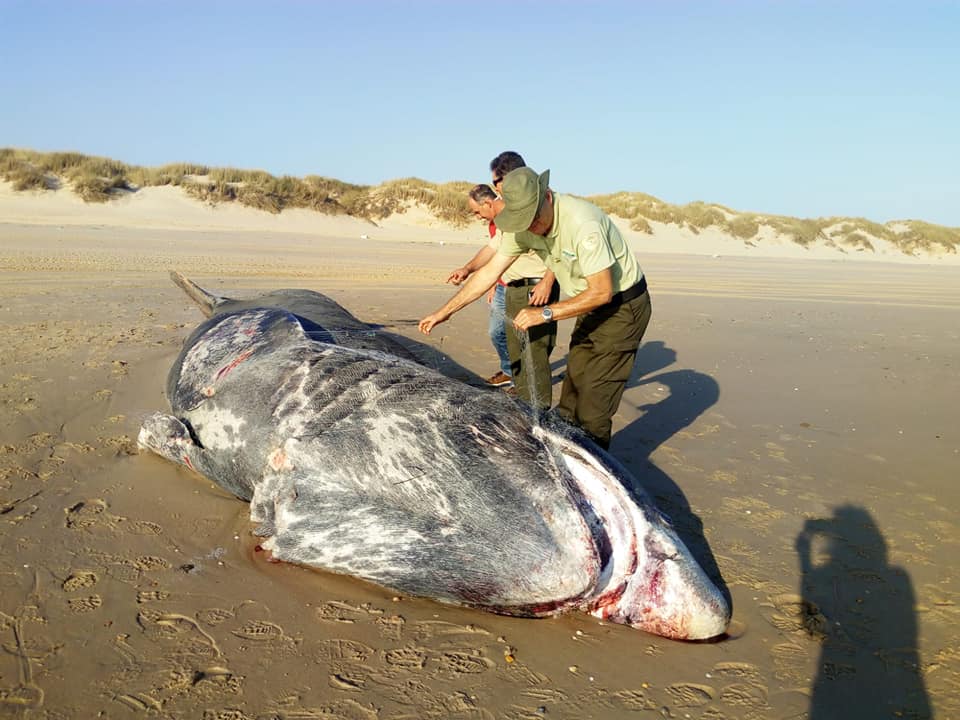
[(497, 329)]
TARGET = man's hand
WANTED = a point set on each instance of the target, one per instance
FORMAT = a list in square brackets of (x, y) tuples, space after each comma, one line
[(490, 294), (481, 280), (432, 320), (540, 295), (527, 318), (458, 275)]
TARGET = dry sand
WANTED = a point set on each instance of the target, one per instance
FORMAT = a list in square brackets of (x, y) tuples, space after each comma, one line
[(771, 396)]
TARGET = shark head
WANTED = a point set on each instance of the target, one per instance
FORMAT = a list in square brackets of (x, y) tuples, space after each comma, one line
[(650, 580)]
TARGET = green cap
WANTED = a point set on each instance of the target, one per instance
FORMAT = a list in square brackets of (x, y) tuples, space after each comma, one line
[(523, 192)]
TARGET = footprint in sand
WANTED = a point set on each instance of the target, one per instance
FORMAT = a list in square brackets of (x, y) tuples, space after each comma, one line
[(215, 616), (409, 692), (268, 637), (520, 674), (84, 514), (631, 700), (120, 444), (789, 612), (125, 572), (545, 696), (33, 648), (463, 706), (463, 663), (440, 629), (747, 672), (143, 527), (149, 563), (390, 627), (26, 697), (790, 662), (49, 466), (348, 681), (690, 694), (408, 658), (260, 631), (343, 650), (335, 611), (191, 640), (744, 695), (79, 579), (84, 604), (229, 714), (88, 514)]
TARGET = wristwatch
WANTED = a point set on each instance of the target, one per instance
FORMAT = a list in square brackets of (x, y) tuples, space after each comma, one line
[(547, 314)]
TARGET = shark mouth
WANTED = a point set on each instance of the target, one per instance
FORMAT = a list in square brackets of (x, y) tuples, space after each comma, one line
[(649, 579)]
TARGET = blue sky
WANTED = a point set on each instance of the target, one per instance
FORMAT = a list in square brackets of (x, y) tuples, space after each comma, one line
[(798, 108)]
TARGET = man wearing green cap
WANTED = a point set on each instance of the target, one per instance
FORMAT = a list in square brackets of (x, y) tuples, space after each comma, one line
[(595, 268)]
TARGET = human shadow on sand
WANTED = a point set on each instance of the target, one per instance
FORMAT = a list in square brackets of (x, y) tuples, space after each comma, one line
[(691, 393), (861, 609)]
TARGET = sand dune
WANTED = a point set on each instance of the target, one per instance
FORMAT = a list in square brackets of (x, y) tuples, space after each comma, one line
[(169, 208)]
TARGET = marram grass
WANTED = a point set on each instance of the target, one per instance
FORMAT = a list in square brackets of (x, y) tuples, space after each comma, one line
[(97, 179)]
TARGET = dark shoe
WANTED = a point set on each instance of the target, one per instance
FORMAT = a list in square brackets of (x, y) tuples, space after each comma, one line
[(501, 378)]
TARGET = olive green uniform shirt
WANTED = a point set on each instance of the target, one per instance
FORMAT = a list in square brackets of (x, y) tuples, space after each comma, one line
[(528, 265), (582, 241)]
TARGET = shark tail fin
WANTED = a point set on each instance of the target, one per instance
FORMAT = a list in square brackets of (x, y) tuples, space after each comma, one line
[(207, 301)]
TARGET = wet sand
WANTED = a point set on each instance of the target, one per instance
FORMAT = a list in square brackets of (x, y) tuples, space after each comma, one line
[(796, 419)]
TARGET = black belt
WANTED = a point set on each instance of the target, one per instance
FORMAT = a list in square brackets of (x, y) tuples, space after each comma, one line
[(524, 282), (630, 293)]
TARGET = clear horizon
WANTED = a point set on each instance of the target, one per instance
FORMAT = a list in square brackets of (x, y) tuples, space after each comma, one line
[(812, 109)]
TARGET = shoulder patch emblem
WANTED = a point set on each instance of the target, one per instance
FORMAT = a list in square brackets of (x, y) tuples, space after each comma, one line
[(591, 241)]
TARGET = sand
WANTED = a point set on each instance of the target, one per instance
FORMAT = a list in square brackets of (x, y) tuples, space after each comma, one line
[(795, 417)]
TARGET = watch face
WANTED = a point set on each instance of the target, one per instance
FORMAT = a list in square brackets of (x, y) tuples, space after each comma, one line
[(547, 314)]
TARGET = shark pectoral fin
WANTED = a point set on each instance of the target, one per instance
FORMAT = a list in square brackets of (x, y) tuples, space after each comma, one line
[(169, 438), (271, 486)]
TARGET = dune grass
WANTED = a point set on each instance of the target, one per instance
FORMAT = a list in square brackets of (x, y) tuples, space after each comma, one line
[(909, 236), (97, 179)]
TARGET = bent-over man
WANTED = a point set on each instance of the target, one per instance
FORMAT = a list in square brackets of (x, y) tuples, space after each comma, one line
[(594, 267), (527, 282)]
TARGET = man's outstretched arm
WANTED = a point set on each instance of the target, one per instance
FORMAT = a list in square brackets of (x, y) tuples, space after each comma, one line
[(475, 263), (478, 283)]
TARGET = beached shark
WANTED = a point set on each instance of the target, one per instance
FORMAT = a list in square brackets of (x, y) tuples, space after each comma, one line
[(356, 459)]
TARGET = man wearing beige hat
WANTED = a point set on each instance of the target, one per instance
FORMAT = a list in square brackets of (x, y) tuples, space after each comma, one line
[(594, 267)]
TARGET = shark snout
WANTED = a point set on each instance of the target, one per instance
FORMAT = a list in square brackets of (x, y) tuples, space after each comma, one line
[(673, 597)]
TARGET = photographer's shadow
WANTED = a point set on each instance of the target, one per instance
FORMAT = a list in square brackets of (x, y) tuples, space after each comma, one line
[(690, 394), (862, 611)]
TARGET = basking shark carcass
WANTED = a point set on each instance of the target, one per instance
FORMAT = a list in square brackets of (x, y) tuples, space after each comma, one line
[(356, 459)]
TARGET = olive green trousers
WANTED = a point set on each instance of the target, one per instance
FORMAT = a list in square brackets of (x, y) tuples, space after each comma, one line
[(603, 346), (530, 352)]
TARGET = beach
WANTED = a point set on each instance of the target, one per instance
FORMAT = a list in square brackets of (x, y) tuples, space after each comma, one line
[(792, 411)]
